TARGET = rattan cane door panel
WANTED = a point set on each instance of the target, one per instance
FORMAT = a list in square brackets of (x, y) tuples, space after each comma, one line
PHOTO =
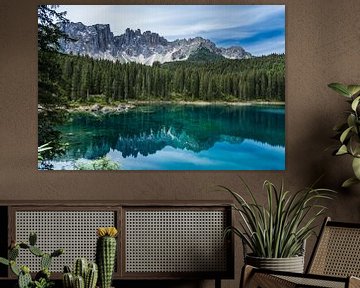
[(74, 231), (175, 241)]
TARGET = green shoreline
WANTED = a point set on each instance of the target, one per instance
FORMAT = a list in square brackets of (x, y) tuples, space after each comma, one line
[(125, 106), (208, 102)]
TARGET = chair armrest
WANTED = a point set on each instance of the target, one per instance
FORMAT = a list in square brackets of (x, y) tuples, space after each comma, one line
[(354, 282), (246, 273), (255, 277), (252, 277)]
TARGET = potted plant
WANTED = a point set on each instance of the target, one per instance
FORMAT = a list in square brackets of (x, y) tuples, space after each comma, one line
[(348, 132), (42, 278), (276, 233)]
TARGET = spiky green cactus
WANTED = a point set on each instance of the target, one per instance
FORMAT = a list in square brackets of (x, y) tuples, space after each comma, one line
[(79, 282), (13, 253), (80, 267), (32, 238), (24, 245), (45, 261), (91, 276), (57, 253), (89, 272), (24, 279), (14, 268), (36, 251), (23, 273), (44, 273), (106, 254), (68, 280)]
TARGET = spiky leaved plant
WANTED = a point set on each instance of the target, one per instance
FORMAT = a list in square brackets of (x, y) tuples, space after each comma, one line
[(279, 229), (106, 254), (42, 278)]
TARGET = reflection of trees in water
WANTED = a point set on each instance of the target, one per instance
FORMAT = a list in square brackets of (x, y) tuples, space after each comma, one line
[(148, 129), (149, 143)]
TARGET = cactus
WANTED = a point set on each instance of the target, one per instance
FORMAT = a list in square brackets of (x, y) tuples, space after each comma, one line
[(44, 273), (23, 273), (14, 268), (13, 253), (105, 255), (25, 269), (91, 276), (79, 282), (36, 251), (57, 252), (45, 261), (24, 246), (68, 280), (32, 239), (90, 272), (80, 267), (24, 280)]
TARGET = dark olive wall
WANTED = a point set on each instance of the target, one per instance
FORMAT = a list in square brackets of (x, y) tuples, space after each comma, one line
[(322, 46)]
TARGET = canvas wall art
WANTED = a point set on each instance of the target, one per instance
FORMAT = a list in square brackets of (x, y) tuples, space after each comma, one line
[(161, 87)]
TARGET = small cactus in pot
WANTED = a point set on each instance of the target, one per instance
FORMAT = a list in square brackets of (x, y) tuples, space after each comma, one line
[(106, 254)]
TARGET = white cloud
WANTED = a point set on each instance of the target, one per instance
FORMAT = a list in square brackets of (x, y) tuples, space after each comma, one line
[(173, 20), (219, 23), (266, 47)]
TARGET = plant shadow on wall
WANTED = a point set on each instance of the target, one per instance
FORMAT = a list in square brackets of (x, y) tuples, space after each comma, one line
[(348, 133), (276, 232)]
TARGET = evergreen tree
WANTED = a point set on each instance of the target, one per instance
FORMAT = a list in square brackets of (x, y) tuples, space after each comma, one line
[(253, 79), (50, 84)]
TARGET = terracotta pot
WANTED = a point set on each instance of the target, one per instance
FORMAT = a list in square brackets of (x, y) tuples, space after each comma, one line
[(291, 264)]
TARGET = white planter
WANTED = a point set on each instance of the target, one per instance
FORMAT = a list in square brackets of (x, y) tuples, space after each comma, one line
[(291, 264)]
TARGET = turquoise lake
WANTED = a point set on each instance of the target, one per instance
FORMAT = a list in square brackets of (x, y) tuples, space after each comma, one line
[(180, 137)]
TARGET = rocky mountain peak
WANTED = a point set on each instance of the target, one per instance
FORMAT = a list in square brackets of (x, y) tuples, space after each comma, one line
[(135, 37), (98, 41)]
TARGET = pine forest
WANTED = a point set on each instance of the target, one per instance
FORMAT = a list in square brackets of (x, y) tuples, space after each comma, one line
[(260, 78)]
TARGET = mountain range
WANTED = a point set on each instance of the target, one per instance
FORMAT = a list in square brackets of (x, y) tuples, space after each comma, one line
[(97, 41)]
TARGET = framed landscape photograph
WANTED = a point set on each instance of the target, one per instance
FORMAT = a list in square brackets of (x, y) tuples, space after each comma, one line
[(161, 87)]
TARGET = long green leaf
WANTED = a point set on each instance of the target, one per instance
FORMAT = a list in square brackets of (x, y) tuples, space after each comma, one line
[(340, 88), (349, 182), (345, 134), (355, 103), (356, 167), (354, 90)]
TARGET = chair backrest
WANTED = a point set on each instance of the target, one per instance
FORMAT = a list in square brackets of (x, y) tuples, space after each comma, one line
[(337, 251)]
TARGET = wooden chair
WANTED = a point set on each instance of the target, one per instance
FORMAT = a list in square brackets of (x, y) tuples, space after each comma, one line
[(335, 262)]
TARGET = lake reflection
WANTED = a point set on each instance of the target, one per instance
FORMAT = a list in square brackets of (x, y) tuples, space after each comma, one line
[(180, 137)]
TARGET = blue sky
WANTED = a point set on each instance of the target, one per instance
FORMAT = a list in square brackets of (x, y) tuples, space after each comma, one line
[(260, 29)]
